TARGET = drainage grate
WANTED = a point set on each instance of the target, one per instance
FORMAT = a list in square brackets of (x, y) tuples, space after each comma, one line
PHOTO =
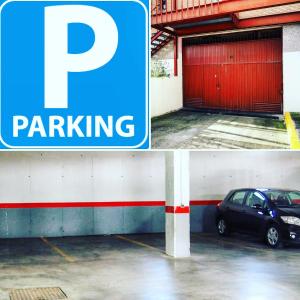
[(48, 293)]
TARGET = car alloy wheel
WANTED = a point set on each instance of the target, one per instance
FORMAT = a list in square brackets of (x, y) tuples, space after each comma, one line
[(221, 227), (273, 236)]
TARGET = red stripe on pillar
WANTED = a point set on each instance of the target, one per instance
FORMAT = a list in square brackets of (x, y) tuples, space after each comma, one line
[(178, 209)]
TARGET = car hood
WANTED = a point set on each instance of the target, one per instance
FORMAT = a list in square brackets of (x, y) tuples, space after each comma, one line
[(289, 211)]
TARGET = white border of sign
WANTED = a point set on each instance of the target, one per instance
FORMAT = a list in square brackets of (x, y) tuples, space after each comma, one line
[(147, 117)]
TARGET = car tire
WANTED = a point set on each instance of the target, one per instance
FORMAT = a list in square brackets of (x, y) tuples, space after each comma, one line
[(222, 227), (273, 236)]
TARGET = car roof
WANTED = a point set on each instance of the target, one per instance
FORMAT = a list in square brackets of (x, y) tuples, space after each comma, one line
[(263, 190)]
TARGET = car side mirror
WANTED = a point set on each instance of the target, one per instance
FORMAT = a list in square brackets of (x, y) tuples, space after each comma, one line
[(257, 206)]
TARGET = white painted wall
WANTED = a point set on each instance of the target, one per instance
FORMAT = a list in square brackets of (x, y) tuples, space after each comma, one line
[(166, 93), (29, 177), (214, 174), (291, 67), (137, 176)]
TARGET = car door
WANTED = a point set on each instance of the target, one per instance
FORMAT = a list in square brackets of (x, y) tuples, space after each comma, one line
[(254, 211), (234, 209)]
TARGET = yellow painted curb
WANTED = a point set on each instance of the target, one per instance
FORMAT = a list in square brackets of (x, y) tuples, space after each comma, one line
[(292, 132)]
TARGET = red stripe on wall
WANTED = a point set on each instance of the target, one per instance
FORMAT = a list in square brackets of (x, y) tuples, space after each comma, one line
[(101, 204), (109, 204), (205, 202), (177, 209), (82, 204)]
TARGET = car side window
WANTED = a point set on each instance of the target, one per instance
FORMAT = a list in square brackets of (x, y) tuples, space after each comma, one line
[(294, 196), (238, 198), (255, 198)]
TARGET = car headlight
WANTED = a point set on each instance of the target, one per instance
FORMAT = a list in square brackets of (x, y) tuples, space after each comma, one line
[(291, 220)]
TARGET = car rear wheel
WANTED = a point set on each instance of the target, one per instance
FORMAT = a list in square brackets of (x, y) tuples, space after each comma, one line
[(273, 237), (222, 227)]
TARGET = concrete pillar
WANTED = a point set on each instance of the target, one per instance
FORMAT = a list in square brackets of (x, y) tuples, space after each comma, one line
[(177, 204)]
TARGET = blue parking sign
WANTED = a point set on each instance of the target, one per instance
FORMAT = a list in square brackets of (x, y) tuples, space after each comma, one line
[(74, 74)]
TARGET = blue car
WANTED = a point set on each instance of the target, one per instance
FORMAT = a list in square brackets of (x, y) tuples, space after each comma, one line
[(272, 214)]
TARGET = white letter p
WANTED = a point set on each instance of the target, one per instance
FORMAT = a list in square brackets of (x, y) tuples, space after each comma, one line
[(58, 62)]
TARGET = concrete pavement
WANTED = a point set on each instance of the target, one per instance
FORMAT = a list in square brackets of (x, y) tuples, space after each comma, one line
[(195, 130), (109, 267)]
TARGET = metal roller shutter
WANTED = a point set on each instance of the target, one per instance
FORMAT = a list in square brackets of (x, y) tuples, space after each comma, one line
[(236, 72)]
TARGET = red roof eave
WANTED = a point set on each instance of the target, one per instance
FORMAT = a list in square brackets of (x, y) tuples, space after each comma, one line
[(242, 24), (216, 10)]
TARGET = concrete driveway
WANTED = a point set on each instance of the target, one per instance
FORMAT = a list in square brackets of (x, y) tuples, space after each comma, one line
[(195, 130)]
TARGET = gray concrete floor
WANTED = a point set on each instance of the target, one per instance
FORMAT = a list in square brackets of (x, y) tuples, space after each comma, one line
[(135, 267), (195, 130)]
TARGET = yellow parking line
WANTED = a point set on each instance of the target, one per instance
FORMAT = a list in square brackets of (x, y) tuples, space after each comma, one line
[(138, 243), (236, 243), (67, 257), (292, 132)]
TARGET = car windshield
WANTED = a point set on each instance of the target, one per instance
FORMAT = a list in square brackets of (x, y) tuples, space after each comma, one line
[(284, 198)]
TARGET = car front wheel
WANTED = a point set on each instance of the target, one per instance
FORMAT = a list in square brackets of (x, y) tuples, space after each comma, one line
[(222, 227), (273, 237)]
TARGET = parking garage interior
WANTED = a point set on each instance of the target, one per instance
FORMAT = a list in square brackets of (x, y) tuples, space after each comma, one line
[(138, 225)]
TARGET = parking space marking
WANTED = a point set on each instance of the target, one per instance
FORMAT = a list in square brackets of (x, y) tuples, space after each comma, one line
[(233, 243), (139, 243), (67, 257)]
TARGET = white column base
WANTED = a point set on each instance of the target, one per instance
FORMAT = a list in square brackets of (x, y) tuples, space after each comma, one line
[(178, 234)]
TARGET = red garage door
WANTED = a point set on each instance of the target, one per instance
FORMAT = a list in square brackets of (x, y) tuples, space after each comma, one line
[(234, 73)]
